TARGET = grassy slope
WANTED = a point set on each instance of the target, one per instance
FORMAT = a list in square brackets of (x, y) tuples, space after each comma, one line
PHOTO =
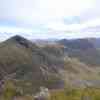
[(23, 60)]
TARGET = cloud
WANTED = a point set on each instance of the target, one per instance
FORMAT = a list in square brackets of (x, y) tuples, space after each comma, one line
[(41, 17)]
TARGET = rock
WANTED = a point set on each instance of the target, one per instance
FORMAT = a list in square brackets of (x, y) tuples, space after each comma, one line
[(43, 94)]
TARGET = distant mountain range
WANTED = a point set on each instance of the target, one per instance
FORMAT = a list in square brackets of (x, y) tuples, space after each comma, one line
[(86, 50)]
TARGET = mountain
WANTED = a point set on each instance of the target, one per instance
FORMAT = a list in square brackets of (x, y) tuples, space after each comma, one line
[(23, 60), (86, 50), (82, 44), (96, 42), (54, 66)]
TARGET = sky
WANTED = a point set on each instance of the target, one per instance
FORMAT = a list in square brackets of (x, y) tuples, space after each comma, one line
[(50, 18)]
